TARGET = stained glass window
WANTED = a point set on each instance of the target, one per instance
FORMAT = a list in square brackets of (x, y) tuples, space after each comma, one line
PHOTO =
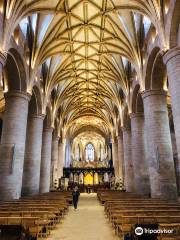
[(89, 152)]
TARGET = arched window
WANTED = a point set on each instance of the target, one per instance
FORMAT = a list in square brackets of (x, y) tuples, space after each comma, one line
[(89, 152)]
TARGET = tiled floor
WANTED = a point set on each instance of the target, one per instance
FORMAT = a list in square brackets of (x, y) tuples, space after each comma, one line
[(86, 223)]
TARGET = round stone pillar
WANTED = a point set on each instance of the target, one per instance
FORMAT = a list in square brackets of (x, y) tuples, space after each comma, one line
[(141, 175), (172, 61), (3, 58), (54, 160), (159, 147), (45, 160), (61, 160), (120, 156), (12, 147), (128, 166), (115, 157), (32, 160)]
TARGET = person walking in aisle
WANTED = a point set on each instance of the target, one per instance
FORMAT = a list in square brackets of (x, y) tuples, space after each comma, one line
[(76, 195)]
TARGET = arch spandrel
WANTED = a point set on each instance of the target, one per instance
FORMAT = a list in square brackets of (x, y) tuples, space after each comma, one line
[(35, 104), (137, 102), (156, 73)]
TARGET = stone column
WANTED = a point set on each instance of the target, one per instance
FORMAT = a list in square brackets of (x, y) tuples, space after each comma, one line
[(13, 144), (32, 161), (3, 58), (159, 146), (115, 157), (128, 166), (172, 61), (141, 176), (61, 159), (45, 160), (67, 153), (55, 158), (120, 156)]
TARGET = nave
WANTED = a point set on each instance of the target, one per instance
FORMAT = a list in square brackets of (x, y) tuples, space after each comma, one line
[(89, 97), (87, 222)]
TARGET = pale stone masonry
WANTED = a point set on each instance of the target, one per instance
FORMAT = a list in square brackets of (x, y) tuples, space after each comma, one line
[(66, 93), (60, 165), (45, 160), (32, 161), (141, 174), (54, 160), (172, 61), (13, 139), (3, 57), (159, 146), (128, 166), (115, 157), (120, 155)]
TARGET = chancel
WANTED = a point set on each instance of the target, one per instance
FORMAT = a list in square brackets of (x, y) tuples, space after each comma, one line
[(89, 105)]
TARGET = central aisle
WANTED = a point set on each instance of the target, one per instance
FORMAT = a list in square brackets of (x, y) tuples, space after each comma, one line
[(86, 223)]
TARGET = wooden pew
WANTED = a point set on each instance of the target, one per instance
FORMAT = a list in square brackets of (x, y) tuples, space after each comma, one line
[(125, 210), (39, 214)]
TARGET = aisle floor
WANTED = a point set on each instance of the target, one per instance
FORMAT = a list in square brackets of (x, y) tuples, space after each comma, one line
[(86, 223)]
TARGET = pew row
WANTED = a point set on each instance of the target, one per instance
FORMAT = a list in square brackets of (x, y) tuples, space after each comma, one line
[(37, 214), (126, 210)]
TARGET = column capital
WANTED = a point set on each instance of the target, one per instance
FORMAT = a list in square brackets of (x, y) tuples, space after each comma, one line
[(48, 129), (3, 57), (171, 54), (40, 116), (152, 92), (17, 93), (137, 115)]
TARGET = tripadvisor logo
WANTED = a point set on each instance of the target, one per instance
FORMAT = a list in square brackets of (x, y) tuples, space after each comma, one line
[(138, 231)]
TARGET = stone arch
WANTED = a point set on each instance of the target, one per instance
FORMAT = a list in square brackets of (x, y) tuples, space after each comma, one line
[(175, 27), (149, 67), (137, 102), (156, 73), (15, 73), (88, 128), (35, 104)]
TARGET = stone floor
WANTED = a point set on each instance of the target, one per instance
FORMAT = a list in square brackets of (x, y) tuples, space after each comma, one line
[(86, 223)]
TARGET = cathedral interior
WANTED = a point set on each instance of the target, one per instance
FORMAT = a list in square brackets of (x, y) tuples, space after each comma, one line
[(89, 97)]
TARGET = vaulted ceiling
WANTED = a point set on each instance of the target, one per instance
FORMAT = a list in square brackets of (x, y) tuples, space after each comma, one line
[(86, 51)]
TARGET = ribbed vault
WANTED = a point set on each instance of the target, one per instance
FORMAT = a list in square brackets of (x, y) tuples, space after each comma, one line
[(86, 51)]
